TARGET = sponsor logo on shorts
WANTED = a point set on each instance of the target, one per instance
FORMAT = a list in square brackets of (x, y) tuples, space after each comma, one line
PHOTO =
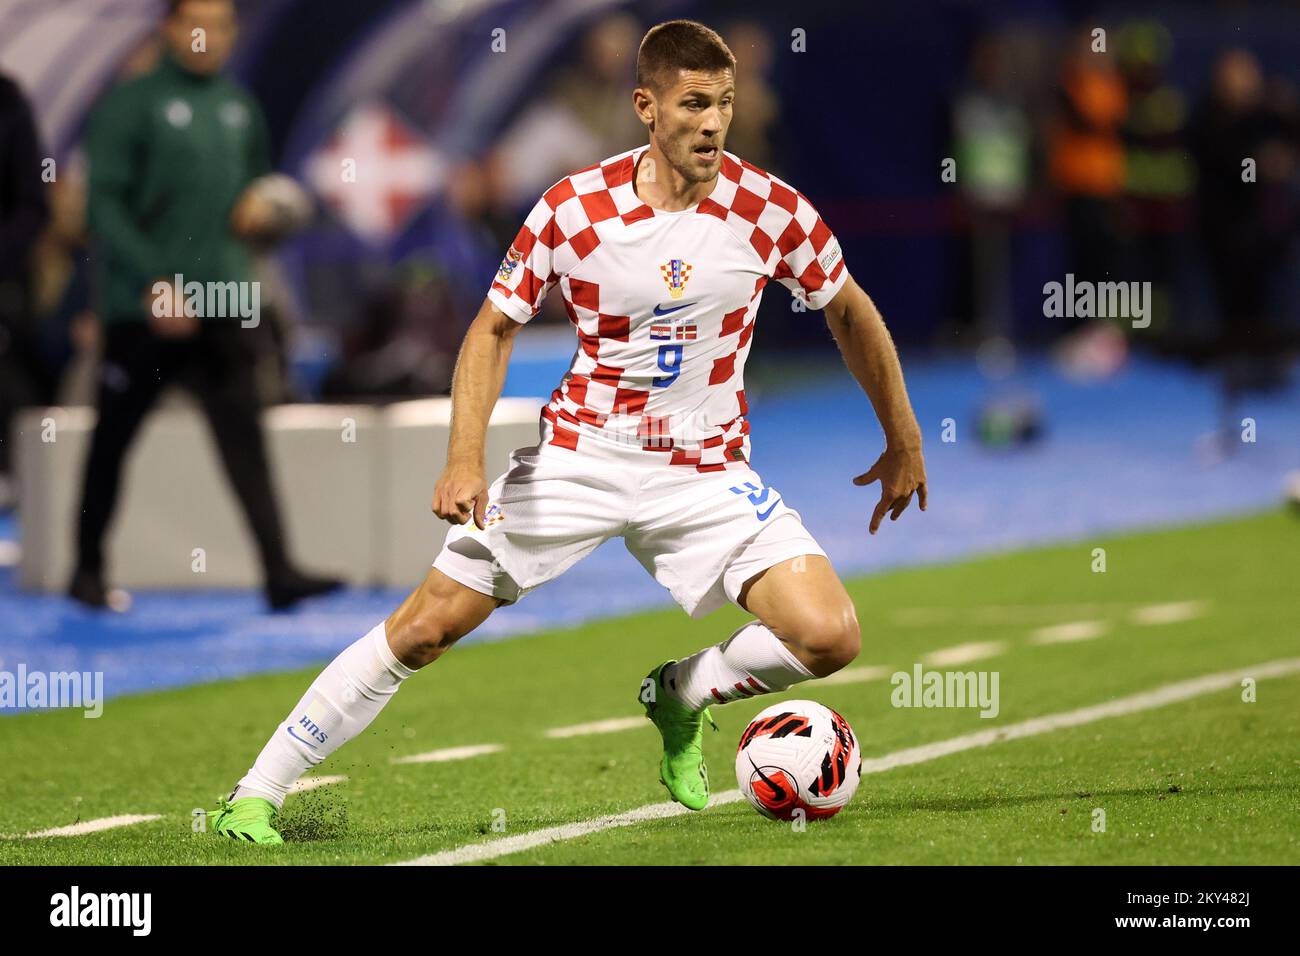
[(493, 515)]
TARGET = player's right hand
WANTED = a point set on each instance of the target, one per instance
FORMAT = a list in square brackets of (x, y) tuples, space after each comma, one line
[(461, 494)]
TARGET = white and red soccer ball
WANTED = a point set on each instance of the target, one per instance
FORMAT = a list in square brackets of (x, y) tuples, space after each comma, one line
[(798, 757)]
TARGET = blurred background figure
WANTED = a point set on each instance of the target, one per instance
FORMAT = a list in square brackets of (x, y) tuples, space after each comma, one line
[(1087, 165), (991, 137), (751, 134), (1158, 172), (26, 377), (1086, 158), (583, 113), (1244, 139), (172, 155)]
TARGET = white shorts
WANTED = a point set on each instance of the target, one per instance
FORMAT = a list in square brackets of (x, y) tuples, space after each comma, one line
[(701, 535)]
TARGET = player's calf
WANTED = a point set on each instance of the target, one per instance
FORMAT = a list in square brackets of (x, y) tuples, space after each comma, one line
[(349, 694)]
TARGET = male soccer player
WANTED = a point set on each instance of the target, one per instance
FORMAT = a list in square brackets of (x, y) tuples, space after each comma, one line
[(660, 254)]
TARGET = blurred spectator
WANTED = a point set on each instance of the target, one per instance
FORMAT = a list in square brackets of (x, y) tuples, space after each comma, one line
[(62, 298), (1086, 159), (1245, 222), (172, 156), (25, 378), (991, 137), (1158, 175), (396, 351), (585, 115), (758, 106)]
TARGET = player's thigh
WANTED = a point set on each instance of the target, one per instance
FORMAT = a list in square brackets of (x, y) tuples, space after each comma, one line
[(435, 616), (804, 602)]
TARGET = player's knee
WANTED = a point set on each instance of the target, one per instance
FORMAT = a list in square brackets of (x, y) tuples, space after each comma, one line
[(831, 639)]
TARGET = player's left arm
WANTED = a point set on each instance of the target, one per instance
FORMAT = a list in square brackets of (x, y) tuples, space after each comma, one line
[(869, 352)]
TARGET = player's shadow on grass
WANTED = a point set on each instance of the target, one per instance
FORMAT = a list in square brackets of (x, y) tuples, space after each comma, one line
[(1066, 798)]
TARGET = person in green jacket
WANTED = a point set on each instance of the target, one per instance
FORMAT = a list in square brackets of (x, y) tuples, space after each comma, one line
[(172, 154)]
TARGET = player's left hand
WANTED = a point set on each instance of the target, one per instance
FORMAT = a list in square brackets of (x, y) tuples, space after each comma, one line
[(901, 473)]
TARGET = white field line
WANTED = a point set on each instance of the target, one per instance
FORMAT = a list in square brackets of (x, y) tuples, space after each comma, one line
[(505, 846), (1170, 613), (94, 826), (1000, 615), (611, 726), (451, 753), (1069, 632), (963, 653), (311, 783), (1146, 700)]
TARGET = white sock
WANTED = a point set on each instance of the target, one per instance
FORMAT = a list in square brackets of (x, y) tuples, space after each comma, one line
[(340, 704), (751, 662)]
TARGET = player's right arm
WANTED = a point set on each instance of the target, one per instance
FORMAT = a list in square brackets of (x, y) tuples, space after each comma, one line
[(461, 492), (527, 273)]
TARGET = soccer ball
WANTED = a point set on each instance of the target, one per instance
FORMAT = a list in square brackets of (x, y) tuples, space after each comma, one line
[(798, 756)]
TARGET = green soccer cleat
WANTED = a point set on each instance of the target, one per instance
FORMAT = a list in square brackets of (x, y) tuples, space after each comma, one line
[(247, 819), (682, 768)]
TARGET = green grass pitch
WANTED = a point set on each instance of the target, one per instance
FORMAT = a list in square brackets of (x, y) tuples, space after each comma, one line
[(1210, 780)]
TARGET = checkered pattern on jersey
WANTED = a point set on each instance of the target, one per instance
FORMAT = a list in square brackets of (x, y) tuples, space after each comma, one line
[(569, 223)]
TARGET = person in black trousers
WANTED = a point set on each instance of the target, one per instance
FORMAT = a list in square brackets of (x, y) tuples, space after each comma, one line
[(171, 156), (25, 376)]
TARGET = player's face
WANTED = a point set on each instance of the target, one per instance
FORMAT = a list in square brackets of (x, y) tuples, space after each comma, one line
[(691, 120), (201, 34)]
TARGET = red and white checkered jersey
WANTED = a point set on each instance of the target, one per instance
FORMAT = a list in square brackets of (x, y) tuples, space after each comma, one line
[(663, 303)]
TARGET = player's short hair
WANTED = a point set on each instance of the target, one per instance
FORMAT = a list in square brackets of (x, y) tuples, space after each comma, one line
[(680, 45)]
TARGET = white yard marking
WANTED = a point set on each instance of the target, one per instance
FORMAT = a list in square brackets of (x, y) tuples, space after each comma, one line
[(611, 726), (451, 753), (311, 783), (1147, 700), (997, 615), (1069, 632), (855, 675), (1170, 613), (95, 826), (962, 653), (475, 852)]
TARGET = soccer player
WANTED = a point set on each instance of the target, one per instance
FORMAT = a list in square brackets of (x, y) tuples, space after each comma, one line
[(660, 254)]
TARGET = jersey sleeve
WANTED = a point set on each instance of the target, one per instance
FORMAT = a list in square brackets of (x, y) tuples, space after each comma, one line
[(527, 272), (811, 265)]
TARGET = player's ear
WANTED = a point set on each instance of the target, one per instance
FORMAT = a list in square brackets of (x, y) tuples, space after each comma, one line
[(643, 101)]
